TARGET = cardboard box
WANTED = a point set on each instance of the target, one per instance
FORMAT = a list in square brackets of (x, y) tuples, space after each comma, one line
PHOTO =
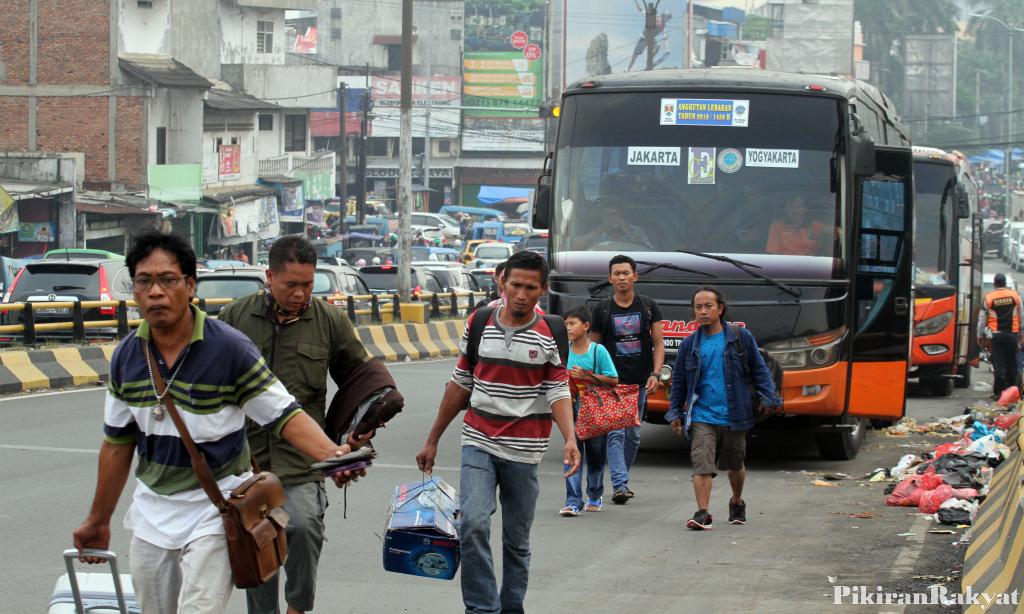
[(421, 534)]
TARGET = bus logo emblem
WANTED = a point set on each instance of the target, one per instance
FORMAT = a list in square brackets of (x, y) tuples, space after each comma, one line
[(730, 160)]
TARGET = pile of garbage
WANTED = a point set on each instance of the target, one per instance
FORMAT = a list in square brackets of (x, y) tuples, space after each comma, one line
[(949, 480)]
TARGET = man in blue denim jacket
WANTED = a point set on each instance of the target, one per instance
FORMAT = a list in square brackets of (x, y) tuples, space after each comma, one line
[(709, 392)]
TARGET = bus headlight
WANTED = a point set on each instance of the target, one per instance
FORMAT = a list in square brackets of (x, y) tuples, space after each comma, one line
[(809, 352), (933, 325), (665, 375)]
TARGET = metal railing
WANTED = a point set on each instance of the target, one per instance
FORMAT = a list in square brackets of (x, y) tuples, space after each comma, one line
[(360, 308)]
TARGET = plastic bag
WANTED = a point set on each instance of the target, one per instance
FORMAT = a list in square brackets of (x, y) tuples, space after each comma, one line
[(902, 468), (1008, 397), (1006, 421), (946, 448), (907, 493), (980, 430), (931, 500), (957, 511)]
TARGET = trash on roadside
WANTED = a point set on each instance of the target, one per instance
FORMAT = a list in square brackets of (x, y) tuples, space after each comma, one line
[(878, 476), (981, 387), (864, 515), (941, 532), (1008, 397), (825, 483), (902, 468), (901, 428), (931, 501), (957, 512), (835, 477), (906, 534), (1006, 421)]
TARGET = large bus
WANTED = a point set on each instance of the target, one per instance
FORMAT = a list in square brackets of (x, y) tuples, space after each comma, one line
[(947, 270), (791, 193)]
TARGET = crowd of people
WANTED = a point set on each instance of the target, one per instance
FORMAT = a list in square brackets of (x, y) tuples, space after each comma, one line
[(250, 406)]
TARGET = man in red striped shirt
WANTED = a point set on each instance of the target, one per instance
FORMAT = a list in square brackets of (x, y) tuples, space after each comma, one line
[(516, 387)]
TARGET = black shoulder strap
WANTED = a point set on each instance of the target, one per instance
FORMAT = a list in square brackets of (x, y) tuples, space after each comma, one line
[(476, 331), (561, 335), (740, 349)]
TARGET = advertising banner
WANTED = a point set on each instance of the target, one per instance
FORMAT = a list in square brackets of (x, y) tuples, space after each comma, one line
[(229, 162), (442, 95)]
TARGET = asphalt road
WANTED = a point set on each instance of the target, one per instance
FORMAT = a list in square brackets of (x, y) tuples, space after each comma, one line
[(637, 557)]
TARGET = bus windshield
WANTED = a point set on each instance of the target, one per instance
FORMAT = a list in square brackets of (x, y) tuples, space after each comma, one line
[(628, 180), (933, 211)]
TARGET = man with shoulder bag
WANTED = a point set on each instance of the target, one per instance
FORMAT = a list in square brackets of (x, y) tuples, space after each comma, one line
[(180, 389)]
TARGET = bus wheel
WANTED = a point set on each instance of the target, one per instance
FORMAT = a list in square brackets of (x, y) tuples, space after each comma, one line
[(940, 386), (964, 381), (842, 443)]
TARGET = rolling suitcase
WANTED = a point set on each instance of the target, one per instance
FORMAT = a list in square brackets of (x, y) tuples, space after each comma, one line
[(99, 593)]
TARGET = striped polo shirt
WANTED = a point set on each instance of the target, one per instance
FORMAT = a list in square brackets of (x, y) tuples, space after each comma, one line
[(518, 376), (222, 380)]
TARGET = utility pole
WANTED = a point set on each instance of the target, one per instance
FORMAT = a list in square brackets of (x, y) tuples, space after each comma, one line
[(689, 33), (405, 159), (1009, 120), (426, 133), (364, 107), (650, 17), (342, 148)]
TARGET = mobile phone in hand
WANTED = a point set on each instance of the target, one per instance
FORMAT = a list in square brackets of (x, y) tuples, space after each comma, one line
[(353, 461)]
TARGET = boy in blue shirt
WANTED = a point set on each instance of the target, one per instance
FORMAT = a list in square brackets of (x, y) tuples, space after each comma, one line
[(589, 363)]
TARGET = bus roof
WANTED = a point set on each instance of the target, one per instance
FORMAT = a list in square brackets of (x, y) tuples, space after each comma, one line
[(933, 154), (752, 80)]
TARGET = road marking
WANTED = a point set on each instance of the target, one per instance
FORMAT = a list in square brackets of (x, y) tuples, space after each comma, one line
[(906, 560), (37, 395), (14, 446)]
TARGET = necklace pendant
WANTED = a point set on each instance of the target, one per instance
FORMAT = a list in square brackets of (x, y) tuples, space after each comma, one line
[(158, 413)]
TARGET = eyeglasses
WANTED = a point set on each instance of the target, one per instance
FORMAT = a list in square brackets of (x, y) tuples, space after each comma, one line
[(167, 282)]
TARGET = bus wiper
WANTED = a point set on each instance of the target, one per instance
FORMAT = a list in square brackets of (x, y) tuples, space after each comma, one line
[(747, 268), (652, 266)]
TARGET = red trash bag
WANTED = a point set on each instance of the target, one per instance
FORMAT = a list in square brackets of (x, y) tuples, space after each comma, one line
[(907, 493), (943, 449), (930, 480), (1006, 421), (933, 499), (1009, 397)]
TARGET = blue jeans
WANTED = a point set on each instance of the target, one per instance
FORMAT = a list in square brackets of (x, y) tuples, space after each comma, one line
[(622, 447), (519, 485), (595, 455)]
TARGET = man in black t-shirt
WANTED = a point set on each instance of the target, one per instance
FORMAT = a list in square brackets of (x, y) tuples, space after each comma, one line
[(628, 325)]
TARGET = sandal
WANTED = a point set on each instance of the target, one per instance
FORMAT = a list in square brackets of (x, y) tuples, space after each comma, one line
[(569, 510)]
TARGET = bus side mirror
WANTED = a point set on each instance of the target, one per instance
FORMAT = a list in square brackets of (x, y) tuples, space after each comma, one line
[(540, 214), (963, 204), (862, 155)]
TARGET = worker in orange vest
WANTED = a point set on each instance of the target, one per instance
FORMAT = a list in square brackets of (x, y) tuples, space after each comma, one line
[(999, 329)]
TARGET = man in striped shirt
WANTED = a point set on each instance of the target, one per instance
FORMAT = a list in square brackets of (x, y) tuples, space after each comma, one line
[(516, 387), (217, 378)]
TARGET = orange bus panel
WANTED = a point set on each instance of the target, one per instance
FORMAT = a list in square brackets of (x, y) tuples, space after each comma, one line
[(878, 389)]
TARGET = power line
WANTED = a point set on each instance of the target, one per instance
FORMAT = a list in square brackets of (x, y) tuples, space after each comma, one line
[(956, 117)]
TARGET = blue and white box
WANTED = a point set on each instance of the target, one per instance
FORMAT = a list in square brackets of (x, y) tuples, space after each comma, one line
[(421, 536)]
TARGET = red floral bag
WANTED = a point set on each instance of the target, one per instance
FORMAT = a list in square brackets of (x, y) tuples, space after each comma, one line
[(604, 409)]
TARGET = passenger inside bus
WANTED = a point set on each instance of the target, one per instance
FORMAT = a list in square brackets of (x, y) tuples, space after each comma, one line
[(796, 235), (612, 227)]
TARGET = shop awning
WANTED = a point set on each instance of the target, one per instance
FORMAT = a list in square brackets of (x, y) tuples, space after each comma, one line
[(490, 195), (22, 190), (161, 70)]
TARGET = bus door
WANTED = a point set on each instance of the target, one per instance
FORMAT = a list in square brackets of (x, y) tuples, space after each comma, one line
[(971, 303), (883, 272)]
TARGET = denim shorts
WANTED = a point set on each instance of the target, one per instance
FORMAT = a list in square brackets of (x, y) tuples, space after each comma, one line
[(716, 446)]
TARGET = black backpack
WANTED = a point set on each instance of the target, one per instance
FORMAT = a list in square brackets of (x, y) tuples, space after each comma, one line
[(773, 366), (476, 331)]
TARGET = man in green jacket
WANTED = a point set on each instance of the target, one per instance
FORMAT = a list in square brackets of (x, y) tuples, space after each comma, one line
[(300, 339)]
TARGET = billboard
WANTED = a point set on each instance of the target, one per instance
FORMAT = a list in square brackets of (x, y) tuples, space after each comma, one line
[(442, 95), (503, 70), (929, 87)]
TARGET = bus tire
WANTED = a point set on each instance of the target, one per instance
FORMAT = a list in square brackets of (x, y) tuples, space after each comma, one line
[(940, 386), (842, 444), (964, 381)]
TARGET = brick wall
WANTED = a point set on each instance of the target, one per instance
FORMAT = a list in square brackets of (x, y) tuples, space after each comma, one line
[(131, 169), (14, 41), (75, 124), (13, 123), (74, 42)]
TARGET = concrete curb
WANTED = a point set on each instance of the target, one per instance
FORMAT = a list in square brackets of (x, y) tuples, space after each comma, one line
[(994, 563), (66, 367)]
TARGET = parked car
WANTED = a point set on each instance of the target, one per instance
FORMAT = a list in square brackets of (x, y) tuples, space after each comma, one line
[(988, 283), (383, 279), (70, 281), (355, 254), (449, 227), (423, 253), (536, 242), (491, 254), (9, 268), (485, 278), (1016, 246), (229, 283), (992, 236), (510, 231), (1006, 250), (213, 264), (332, 282), (470, 247), (478, 213)]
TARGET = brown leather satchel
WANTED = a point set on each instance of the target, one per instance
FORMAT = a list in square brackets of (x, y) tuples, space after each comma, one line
[(253, 514)]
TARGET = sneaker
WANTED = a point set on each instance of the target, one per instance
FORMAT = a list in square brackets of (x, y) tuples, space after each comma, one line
[(569, 510), (700, 521), (593, 506), (737, 512), (620, 497)]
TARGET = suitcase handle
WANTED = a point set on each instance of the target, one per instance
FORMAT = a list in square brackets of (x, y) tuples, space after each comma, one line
[(71, 554)]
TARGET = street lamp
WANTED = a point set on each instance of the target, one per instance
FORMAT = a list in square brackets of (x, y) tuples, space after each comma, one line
[(1010, 30)]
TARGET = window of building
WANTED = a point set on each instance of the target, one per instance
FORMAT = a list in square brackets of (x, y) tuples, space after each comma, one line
[(378, 146), (145, 4), (444, 146), (336, 12), (264, 37), (295, 133), (217, 144), (417, 146), (336, 34), (266, 121), (161, 145), (394, 57)]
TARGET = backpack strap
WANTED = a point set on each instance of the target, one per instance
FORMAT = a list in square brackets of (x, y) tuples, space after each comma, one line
[(740, 350), (561, 335), (476, 332)]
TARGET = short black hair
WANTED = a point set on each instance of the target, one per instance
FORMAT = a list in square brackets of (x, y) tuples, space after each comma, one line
[(580, 312), (621, 259), (999, 281), (527, 261), (149, 239), (719, 297), (292, 248), (499, 268)]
